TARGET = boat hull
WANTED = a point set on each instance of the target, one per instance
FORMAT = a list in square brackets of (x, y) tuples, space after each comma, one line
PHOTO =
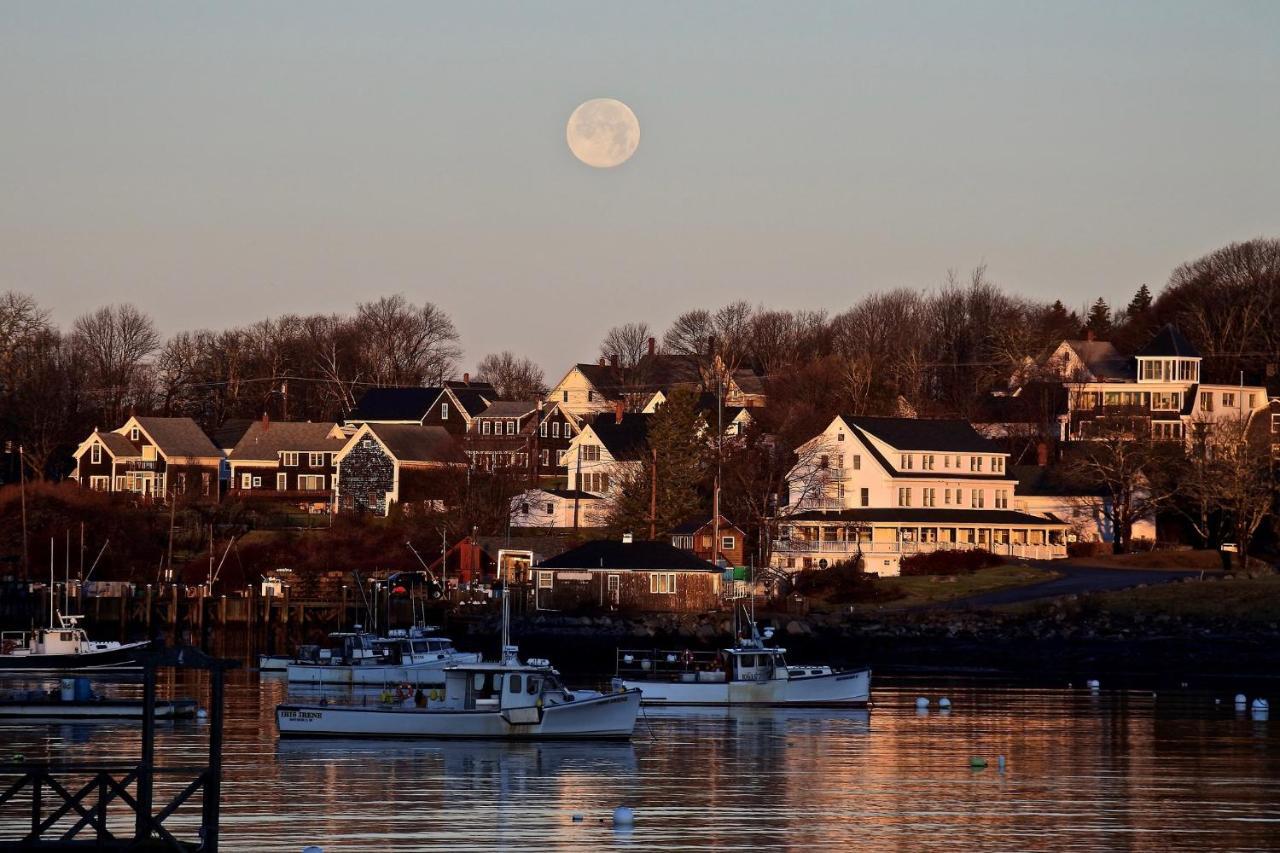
[(104, 709), (425, 674), (123, 657), (611, 716), (851, 688)]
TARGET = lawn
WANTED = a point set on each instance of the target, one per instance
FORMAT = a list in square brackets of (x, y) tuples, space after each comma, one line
[(919, 591), (1243, 599)]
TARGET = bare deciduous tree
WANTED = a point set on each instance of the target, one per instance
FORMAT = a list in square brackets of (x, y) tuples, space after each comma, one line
[(115, 342), (407, 344), (513, 377), (627, 343)]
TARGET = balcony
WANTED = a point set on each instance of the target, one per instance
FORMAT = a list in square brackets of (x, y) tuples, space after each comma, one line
[(792, 547)]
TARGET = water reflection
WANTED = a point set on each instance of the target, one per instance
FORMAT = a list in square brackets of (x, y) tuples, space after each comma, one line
[(1085, 770)]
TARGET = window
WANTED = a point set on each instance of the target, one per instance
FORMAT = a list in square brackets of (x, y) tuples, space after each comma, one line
[(99, 484), (839, 436), (946, 497), (904, 497), (560, 457), (246, 481), (662, 583), (290, 459), (1228, 401), (546, 580), (726, 543), (315, 460), (1166, 430), (824, 461), (840, 461), (544, 458), (205, 483), (282, 482), (511, 427), (149, 453), (1275, 423), (927, 462), (977, 499), (930, 497), (134, 434), (542, 430), (866, 497), (95, 453), (515, 684), (1002, 498), (997, 464), (555, 429), (484, 427), (973, 463), (549, 508), (594, 483), (311, 482), (946, 462), (906, 462), (444, 411), (564, 396), (257, 482), (1206, 401), (857, 462), (591, 395)]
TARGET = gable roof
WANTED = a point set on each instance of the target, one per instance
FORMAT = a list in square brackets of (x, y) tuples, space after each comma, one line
[(641, 555), (947, 435), (696, 523), (748, 381), (178, 437), (510, 409), (231, 431), (395, 404), (117, 445), (1037, 481), (472, 401), (265, 441), (1102, 359), (624, 438), (417, 443), (1169, 343), (606, 379)]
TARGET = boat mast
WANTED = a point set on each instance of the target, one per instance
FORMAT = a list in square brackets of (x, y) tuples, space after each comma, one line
[(51, 601)]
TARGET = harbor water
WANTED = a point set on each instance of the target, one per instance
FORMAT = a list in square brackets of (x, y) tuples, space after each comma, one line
[(1082, 770)]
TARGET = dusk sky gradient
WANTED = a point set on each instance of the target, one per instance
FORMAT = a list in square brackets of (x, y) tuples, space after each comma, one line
[(218, 163)]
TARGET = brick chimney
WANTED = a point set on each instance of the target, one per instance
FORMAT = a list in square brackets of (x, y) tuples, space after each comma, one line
[(601, 361), (466, 379), (653, 346), (617, 412), (266, 422), (1042, 454), (613, 360)]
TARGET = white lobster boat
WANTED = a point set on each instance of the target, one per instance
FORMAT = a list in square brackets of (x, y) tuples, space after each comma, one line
[(749, 673), (365, 660), (63, 648), (507, 701)]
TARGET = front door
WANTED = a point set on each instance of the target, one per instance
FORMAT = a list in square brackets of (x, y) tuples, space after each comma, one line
[(615, 587)]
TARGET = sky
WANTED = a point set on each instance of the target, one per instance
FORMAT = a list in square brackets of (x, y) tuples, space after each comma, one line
[(218, 163)]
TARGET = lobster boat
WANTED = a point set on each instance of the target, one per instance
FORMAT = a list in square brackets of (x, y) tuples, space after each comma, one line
[(63, 648)]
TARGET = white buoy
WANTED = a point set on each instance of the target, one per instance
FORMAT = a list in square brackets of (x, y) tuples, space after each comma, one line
[(202, 713), (1241, 699), (1093, 684), (922, 702), (577, 817), (623, 816), (1260, 706), (944, 702), (312, 848), (1000, 763)]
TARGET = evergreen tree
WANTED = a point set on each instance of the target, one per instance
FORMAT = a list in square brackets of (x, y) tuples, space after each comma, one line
[(1099, 320), (677, 452), (1140, 304)]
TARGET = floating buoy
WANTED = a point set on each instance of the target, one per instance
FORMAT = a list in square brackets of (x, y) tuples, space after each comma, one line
[(202, 713), (312, 848), (1260, 706), (922, 702), (1000, 763), (1093, 684), (977, 761), (944, 702), (623, 816), (1241, 699), (577, 817)]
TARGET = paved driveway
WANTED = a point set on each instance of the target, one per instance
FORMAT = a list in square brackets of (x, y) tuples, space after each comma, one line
[(1074, 580)]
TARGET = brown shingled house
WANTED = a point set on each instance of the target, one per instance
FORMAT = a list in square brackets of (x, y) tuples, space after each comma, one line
[(384, 464), (287, 460), (150, 457)]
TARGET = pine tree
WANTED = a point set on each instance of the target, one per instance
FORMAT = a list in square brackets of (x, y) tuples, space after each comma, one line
[(677, 451), (1099, 320), (1140, 304)]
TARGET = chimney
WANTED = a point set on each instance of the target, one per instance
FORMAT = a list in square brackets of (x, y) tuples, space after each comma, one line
[(613, 360), (466, 379), (266, 422), (626, 539), (1089, 335), (601, 362), (1042, 454), (617, 412), (653, 345)]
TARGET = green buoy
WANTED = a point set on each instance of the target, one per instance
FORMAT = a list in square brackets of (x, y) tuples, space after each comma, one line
[(977, 761)]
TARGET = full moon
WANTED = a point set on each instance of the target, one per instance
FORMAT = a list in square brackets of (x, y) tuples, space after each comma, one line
[(603, 133)]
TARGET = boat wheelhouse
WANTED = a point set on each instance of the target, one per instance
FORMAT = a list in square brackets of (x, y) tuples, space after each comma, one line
[(410, 657)]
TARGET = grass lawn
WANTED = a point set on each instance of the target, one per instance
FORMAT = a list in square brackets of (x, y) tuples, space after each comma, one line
[(1244, 599), (935, 590)]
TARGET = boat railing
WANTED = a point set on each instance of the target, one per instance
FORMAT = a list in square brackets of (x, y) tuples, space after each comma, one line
[(668, 663)]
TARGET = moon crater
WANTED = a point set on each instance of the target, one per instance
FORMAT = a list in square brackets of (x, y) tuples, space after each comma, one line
[(603, 133)]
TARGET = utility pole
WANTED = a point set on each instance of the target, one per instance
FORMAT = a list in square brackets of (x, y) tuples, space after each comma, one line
[(577, 491), (22, 480), (653, 497), (715, 500)]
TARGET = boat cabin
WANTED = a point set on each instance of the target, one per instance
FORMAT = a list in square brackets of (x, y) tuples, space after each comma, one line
[(502, 687), (66, 639), (741, 663), (343, 648), (409, 650)]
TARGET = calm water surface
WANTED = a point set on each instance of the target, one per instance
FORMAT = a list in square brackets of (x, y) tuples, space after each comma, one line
[(1102, 771)]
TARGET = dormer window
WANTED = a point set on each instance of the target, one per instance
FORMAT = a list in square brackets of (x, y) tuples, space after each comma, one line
[(134, 434), (1168, 369)]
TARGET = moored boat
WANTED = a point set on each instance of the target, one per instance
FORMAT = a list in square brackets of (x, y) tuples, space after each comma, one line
[(359, 658), (75, 700), (509, 700), (63, 648), (749, 673)]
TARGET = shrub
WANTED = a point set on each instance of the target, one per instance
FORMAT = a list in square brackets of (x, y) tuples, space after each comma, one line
[(1088, 549), (947, 563), (842, 583)]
